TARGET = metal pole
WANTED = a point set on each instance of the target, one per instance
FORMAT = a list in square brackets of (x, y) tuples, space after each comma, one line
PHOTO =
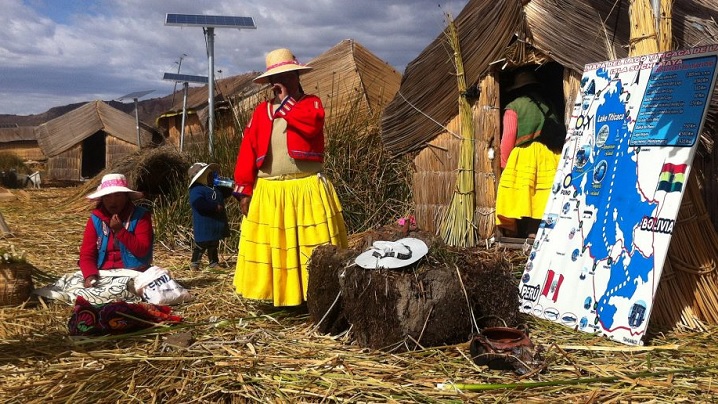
[(184, 114), (210, 57), (179, 67), (137, 124)]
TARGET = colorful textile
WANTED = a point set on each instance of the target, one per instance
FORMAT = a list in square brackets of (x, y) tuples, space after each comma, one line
[(508, 137), (287, 219), (117, 317), (112, 285), (525, 184)]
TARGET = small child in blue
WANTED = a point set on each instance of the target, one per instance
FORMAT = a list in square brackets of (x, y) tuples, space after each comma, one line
[(209, 218)]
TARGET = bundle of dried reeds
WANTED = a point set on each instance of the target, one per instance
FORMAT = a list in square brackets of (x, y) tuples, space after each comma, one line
[(665, 26), (487, 141), (149, 171), (643, 29), (434, 178), (457, 228)]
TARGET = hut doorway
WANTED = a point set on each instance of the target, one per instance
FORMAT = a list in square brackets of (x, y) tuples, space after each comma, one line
[(550, 75), (93, 155)]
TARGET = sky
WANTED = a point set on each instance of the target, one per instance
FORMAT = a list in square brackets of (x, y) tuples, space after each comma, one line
[(59, 52)]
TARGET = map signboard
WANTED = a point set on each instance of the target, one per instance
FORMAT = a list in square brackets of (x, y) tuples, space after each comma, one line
[(600, 249)]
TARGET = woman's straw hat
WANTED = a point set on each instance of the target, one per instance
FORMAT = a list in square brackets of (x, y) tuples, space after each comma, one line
[(392, 254), (111, 184), (280, 61)]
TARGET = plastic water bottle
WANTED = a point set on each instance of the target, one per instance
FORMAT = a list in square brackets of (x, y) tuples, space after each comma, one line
[(223, 182)]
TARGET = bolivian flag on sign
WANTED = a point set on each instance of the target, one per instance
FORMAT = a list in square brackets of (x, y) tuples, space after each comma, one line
[(672, 177)]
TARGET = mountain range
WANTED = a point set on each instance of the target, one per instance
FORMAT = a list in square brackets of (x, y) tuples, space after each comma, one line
[(148, 111)]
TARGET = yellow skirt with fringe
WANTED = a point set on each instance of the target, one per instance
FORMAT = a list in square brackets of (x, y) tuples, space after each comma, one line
[(525, 184), (287, 219)]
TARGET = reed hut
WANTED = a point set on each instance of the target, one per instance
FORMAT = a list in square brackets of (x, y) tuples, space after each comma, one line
[(21, 141), (229, 92), (86, 140), (351, 81), (495, 37)]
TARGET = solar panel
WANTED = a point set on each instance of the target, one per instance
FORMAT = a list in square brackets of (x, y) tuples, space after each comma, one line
[(189, 20), (186, 78), (136, 94)]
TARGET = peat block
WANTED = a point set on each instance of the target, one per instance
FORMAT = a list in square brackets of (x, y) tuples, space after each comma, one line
[(324, 302), (423, 305)]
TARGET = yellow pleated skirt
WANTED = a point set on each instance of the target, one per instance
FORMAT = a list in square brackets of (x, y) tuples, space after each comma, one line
[(525, 184), (287, 219)]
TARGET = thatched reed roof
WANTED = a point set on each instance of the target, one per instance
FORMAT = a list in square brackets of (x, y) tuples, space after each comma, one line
[(349, 75), (571, 32), (197, 97), (17, 134), (346, 75), (152, 171), (64, 132), (230, 88)]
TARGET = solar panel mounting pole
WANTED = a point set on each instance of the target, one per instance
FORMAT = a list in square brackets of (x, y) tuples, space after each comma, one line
[(186, 78), (210, 101), (179, 67), (209, 23), (137, 122), (185, 88), (136, 96)]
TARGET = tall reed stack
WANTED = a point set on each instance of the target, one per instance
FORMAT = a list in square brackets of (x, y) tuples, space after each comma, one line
[(457, 227)]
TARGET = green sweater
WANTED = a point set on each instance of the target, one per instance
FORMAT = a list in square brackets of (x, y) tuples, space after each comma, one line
[(531, 118)]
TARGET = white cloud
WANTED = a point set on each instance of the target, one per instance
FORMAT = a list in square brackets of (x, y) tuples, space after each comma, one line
[(57, 52)]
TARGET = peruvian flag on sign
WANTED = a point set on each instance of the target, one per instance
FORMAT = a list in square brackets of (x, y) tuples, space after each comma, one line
[(552, 285)]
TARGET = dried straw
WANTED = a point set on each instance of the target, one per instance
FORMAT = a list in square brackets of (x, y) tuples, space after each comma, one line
[(665, 26), (643, 29), (488, 115), (457, 228), (232, 350)]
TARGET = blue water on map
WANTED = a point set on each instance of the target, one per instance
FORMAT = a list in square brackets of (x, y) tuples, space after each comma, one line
[(616, 208)]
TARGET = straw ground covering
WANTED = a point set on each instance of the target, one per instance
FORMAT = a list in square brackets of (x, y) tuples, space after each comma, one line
[(232, 350)]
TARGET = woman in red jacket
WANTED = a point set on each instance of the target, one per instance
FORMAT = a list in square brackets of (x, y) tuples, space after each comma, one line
[(289, 206)]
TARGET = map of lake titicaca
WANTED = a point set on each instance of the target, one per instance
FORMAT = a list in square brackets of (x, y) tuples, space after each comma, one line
[(599, 252)]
